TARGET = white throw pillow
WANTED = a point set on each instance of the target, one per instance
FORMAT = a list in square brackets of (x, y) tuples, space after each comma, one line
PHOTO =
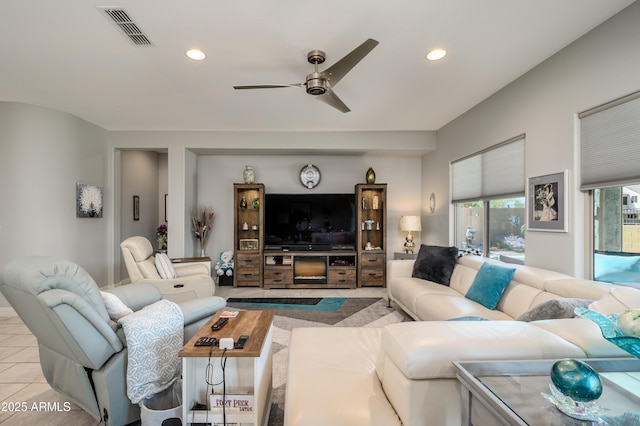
[(617, 301), (164, 266), (114, 305)]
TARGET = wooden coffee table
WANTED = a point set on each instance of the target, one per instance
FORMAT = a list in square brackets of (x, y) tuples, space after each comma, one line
[(247, 371)]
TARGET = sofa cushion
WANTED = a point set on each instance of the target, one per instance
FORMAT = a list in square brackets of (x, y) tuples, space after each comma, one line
[(584, 334), (518, 298), (617, 301), (435, 263), (463, 275), (164, 266), (489, 284), (577, 287), (408, 290), (440, 307), (425, 349), (554, 309), (332, 380)]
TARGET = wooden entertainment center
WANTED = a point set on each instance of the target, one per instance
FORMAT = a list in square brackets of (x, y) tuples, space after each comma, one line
[(337, 267)]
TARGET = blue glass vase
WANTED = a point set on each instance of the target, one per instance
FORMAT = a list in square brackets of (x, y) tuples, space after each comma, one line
[(576, 380)]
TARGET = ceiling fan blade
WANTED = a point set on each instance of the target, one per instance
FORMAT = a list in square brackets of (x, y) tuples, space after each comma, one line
[(330, 98), (267, 86), (338, 70)]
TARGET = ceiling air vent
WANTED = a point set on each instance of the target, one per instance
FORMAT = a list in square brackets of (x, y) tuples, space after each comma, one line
[(130, 29)]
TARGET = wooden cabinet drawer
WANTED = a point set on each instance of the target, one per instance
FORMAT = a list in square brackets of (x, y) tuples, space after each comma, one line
[(247, 261), (278, 276), (372, 260), (247, 277), (372, 277), (247, 269), (341, 277)]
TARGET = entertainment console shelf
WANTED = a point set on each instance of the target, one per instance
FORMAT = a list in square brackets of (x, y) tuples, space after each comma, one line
[(313, 269), (310, 240)]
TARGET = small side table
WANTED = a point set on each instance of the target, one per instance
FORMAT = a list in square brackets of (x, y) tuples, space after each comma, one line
[(248, 370), (400, 255)]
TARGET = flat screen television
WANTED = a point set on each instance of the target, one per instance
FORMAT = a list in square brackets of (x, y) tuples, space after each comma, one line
[(309, 221)]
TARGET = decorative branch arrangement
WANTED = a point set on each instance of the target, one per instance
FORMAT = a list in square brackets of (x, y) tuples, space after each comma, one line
[(201, 219)]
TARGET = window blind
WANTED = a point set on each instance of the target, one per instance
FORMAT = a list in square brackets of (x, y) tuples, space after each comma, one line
[(610, 144), (497, 172)]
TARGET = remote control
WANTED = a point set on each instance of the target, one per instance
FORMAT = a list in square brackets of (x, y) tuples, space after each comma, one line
[(206, 341), (219, 324), (241, 342)]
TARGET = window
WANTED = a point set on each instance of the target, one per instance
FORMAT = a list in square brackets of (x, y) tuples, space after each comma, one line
[(488, 196), (609, 155), (494, 228), (616, 235)]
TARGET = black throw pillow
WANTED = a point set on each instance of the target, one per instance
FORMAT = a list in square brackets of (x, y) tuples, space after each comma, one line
[(435, 263)]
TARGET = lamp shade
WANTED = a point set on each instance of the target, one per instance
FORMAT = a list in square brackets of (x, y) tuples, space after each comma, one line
[(410, 223)]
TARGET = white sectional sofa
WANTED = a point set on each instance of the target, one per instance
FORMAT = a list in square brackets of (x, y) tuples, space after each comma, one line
[(430, 301), (403, 375)]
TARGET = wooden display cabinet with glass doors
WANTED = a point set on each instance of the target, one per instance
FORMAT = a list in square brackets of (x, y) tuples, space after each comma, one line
[(371, 234), (248, 232)]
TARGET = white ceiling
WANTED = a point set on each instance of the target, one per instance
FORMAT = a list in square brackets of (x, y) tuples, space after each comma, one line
[(67, 55)]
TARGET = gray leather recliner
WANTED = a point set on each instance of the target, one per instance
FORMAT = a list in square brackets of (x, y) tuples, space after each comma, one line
[(81, 354)]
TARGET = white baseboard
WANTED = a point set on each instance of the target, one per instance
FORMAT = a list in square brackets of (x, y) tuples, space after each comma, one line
[(7, 312)]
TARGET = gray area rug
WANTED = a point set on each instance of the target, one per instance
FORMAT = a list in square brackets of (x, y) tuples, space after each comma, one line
[(354, 312)]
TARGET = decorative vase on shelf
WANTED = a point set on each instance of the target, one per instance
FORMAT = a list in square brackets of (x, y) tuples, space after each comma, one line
[(248, 175), (243, 203), (371, 176)]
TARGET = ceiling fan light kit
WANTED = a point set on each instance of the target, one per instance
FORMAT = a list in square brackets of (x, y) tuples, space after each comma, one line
[(320, 83), (316, 85)]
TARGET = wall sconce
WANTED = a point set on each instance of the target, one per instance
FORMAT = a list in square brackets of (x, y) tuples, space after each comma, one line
[(410, 224)]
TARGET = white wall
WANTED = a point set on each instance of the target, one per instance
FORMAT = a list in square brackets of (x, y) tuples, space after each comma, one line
[(280, 174), (601, 66), (43, 153), (394, 155)]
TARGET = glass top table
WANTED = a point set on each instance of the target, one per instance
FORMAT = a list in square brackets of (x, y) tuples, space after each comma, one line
[(509, 392)]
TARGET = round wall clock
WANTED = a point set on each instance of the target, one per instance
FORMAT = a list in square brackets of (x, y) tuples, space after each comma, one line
[(310, 176)]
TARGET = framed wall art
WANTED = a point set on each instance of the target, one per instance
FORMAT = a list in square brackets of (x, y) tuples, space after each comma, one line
[(166, 201), (136, 207), (88, 200), (547, 203)]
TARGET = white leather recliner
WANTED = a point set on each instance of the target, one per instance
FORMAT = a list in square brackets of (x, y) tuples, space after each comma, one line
[(191, 282)]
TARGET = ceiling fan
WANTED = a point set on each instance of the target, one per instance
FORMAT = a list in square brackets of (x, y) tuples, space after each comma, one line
[(321, 83)]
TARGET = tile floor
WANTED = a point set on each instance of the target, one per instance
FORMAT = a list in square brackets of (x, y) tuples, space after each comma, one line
[(26, 398)]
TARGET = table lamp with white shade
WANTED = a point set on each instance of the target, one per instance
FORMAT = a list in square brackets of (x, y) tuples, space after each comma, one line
[(410, 224)]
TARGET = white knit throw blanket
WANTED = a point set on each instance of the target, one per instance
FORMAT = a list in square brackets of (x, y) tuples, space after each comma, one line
[(154, 336)]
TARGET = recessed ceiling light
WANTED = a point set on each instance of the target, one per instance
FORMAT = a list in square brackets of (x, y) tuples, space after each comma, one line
[(436, 54), (196, 54)]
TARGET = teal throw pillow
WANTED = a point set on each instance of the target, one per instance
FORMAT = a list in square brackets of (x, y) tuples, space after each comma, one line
[(489, 284)]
